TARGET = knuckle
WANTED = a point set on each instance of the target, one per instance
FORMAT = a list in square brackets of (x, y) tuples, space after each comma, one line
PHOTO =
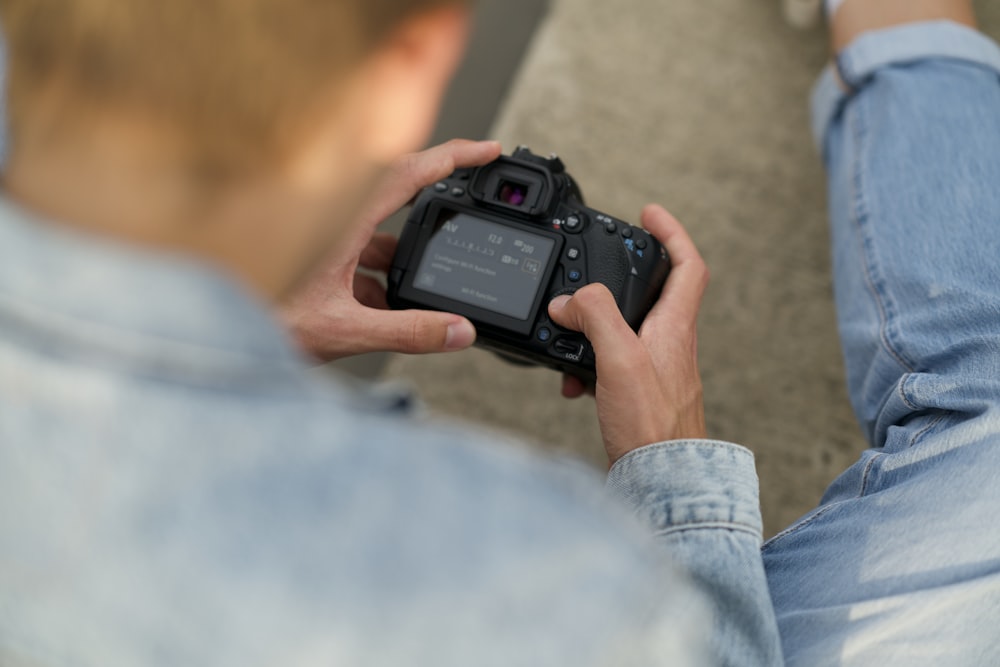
[(595, 295), (406, 168), (420, 169), (416, 336), (443, 158)]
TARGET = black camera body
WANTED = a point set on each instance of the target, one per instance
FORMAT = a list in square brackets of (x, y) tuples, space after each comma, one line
[(497, 243)]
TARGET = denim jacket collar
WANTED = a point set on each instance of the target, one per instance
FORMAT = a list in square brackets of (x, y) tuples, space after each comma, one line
[(99, 301)]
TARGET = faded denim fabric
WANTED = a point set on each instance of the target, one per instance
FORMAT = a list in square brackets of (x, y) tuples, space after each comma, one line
[(701, 499), (900, 565), (176, 488)]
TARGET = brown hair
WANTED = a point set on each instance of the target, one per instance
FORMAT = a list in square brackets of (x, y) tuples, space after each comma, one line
[(236, 78)]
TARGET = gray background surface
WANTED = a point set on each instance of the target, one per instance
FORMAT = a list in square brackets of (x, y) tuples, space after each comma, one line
[(699, 105)]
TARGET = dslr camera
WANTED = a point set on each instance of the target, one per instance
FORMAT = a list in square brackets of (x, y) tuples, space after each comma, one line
[(497, 243)]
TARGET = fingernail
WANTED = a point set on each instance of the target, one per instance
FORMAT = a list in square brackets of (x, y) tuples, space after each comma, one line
[(559, 303), (461, 334)]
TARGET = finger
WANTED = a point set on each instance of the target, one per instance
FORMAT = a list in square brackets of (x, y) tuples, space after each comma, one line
[(689, 276), (671, 233), (573, 387), (594, 312), (370, 292), (419, 170), (378, 254), (413, 172), (409, 332)]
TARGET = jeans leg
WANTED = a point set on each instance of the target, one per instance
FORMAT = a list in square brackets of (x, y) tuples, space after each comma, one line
[(901, 562), (914, 163)]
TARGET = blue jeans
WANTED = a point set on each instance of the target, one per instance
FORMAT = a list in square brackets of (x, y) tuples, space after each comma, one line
[(900, 564)]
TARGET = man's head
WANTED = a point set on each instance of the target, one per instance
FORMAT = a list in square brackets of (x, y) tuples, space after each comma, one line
[(240, 80), (221, 93)]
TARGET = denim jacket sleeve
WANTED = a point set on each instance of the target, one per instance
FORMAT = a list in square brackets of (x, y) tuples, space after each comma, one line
[(701, 499)]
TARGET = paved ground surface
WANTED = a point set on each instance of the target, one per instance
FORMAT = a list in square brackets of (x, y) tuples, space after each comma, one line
[(700, 105)]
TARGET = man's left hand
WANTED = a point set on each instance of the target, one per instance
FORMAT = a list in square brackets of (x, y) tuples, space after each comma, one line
[(343, 312)]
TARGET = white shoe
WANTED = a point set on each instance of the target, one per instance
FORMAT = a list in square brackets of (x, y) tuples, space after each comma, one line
[(803, 13)]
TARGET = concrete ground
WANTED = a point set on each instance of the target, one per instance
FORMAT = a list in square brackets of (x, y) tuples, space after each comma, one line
[(699, 105)]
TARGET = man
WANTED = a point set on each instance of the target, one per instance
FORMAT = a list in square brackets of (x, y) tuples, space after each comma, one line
[(176, 489)]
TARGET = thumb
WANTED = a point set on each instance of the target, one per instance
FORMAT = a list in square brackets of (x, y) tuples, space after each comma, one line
[(412, 331), (594, 312)]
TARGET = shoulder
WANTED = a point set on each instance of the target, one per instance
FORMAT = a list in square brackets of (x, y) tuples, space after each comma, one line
[(436, 529), (325, 529)]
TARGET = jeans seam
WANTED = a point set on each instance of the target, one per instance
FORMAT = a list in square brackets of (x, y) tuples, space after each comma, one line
[(825, 509), (791, 530), (861, 219), (919, 435), (863, 489), (904, 394)]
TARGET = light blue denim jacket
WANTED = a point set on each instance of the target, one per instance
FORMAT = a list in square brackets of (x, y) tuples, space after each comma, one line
[(176, 488)]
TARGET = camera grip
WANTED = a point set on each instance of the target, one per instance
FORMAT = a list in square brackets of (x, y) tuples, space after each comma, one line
[(607, 263)]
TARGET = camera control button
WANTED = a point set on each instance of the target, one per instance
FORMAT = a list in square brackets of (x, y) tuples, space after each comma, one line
[(626, 232), (610, 227), (569, 349), (574, 276), (458, 192), (441, 187), (544, 334), (573, 253), (573, 223), (640, 244)]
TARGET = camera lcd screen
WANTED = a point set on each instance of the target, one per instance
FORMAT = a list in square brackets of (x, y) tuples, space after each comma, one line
[(484, 264)]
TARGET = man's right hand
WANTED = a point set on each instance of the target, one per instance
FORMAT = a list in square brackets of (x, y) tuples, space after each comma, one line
[(648, 386)]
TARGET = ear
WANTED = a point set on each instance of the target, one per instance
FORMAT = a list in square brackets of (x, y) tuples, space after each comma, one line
[(407, 77)]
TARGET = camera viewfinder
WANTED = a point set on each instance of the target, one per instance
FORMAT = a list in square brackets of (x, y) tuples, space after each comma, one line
[(512, 194)]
